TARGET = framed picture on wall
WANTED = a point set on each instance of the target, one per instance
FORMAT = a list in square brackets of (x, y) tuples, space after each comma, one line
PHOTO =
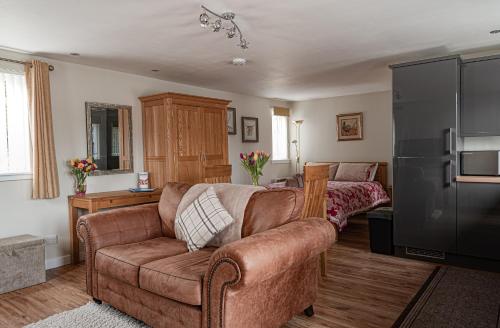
[(350, 126), (249, 129), (231, 120)]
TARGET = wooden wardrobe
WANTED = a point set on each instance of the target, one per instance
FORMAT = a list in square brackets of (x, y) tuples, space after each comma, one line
[(182, 135)]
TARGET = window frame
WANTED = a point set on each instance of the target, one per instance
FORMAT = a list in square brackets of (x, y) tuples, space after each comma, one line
[(16, 176)]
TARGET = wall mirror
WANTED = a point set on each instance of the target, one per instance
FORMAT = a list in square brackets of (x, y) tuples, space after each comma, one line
[(109, 137)]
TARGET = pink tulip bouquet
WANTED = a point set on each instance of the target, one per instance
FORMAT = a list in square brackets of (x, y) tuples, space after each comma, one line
[(81, 168), (254, 163)]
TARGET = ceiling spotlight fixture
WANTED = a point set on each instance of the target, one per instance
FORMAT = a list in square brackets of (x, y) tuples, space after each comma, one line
[(155, 70), (219, 24), (76, 54), (239, 61), (495, 32)]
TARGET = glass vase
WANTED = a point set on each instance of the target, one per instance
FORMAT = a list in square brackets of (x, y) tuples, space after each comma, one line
[(80, 186), (255, 180)]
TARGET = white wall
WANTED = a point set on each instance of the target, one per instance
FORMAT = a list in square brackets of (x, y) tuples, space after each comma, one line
[(481, 143), (319, 130), (71, 86)]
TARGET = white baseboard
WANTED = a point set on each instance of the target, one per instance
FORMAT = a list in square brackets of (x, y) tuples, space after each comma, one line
[(57, 262)]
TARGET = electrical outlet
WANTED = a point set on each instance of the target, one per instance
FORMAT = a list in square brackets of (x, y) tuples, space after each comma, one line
[(51, 240)]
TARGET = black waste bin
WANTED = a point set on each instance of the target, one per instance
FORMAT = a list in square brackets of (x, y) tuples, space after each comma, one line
[(380, 220)]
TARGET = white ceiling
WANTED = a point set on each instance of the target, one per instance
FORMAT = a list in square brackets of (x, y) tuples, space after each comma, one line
[(300, 49)]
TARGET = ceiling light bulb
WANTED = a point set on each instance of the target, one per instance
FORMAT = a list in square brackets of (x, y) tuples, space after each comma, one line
[(243, 44), (239, 61), (217, 25), (230, 34), (204, 20)]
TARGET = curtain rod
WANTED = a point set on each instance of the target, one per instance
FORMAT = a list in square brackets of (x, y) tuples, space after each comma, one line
[(51, 68)]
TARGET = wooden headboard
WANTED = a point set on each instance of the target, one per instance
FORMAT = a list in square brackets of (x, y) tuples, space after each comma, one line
[(380, 176)]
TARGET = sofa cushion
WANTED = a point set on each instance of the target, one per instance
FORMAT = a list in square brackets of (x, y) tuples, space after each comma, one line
[(272, 208), (122, 262), (204, 218), (171, 196), (177, 277)]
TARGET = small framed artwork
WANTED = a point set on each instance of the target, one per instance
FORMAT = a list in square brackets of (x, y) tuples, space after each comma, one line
[(231, 120), (249, 129), (350, 126)]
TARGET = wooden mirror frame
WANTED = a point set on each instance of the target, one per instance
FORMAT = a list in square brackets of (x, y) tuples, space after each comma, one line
[(89, 107)]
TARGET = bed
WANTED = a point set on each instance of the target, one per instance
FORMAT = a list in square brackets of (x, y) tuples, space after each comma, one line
[(348, 198)]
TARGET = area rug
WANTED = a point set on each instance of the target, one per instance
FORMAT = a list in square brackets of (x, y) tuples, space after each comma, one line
[(90, 315), (455, 297)]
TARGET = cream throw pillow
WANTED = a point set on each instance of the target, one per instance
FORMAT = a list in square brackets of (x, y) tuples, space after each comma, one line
[(202, 220), (357, 172)]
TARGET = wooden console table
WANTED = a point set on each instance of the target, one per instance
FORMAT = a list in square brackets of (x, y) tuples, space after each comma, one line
[(102, 200)]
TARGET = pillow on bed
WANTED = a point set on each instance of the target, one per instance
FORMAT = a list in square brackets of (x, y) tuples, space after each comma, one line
[(357, 172), (332, 168), (373, 172), (333, 171)]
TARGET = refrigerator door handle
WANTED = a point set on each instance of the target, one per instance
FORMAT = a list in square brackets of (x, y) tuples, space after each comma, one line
[(448, 173), (449, 141)]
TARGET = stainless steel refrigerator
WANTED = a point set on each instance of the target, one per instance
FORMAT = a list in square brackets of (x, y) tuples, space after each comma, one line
[(425, 111)]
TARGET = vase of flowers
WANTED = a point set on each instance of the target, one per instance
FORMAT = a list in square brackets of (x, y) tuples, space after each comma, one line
[(254, 163), (81, 168)]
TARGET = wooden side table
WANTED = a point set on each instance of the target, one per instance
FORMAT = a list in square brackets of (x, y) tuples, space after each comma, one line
[(102, 200)]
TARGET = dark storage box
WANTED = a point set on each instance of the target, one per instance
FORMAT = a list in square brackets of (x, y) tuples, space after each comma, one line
[(380, 220)]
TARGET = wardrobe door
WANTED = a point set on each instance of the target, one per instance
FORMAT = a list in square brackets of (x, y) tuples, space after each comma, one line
[(214, 141), (154, 120), (189, 122)]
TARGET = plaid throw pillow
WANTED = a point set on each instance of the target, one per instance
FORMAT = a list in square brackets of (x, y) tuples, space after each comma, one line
[(202, 220)]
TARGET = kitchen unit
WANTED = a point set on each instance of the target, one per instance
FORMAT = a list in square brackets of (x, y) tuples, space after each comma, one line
[(478, 230), (480, 93), (425, 110), (446, 196)]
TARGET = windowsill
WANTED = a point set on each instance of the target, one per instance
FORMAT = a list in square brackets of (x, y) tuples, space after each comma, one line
[(15, 176), (281, 161)]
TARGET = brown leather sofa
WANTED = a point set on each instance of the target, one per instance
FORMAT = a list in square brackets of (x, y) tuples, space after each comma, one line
[(135, 264)]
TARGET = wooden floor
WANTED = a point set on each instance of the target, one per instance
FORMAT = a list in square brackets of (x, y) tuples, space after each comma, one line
[(362, 289)]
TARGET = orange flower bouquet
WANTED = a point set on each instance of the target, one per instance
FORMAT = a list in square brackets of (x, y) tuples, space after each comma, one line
[(81, 169)]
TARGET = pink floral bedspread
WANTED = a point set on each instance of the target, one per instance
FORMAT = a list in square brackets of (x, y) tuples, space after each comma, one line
[(346, 199)]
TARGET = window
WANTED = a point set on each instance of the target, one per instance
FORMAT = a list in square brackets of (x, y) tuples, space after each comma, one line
[(15, 148), (96, 141), (280, 134)]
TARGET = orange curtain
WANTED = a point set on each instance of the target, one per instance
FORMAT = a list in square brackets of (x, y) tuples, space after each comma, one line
[(45, 178)]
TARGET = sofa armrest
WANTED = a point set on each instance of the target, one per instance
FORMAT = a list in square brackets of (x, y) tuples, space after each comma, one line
[(120, 226), (265, 254), (248, 262), (115, 227)]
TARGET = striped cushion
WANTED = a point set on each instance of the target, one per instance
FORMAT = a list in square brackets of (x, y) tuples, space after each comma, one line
[(204, 218)]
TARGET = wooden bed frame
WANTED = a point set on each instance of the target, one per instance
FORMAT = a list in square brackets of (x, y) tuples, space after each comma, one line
[(380, 176)]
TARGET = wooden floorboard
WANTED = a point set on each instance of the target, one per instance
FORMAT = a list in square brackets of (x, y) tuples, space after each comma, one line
[(362, 289)]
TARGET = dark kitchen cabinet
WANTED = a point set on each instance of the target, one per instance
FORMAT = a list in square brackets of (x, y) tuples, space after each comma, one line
[(479, 220), (480, 92)]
